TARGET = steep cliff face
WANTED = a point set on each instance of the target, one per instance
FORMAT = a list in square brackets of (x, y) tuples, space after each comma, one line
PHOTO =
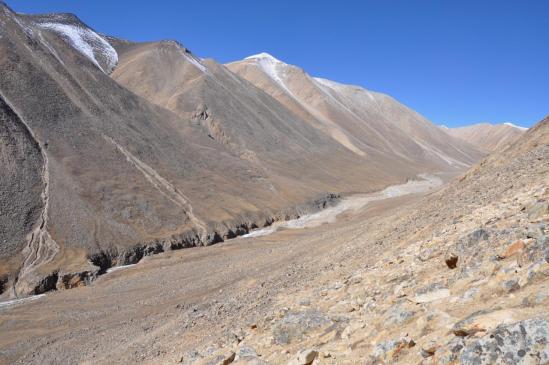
[(23, 196)]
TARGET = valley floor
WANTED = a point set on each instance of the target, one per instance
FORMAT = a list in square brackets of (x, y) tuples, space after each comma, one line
[(409, 279), (172, 303)]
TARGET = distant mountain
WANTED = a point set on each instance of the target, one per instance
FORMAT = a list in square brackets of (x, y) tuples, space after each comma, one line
[(365, 122), (488, 137), (116, 150)]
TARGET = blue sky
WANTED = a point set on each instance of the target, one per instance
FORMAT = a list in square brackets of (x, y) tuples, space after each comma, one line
[(456, 62)]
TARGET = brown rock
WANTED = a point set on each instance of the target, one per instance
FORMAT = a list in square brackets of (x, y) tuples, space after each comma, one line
[(451, 261), (229, 358), (429, 350), (514, 249), (305, 357)]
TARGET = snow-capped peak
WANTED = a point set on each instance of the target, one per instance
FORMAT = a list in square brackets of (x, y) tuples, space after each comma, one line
[(515, 126), (263, 56), (272, 67), (87, 42)]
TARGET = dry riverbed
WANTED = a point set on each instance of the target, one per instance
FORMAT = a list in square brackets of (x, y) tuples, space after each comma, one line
[(169, 304)]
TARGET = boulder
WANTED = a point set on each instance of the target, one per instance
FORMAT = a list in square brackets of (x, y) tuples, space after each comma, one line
[(524, 342), (296, 324), (515, 248), (304, 357), (538, 209), (482, 321)]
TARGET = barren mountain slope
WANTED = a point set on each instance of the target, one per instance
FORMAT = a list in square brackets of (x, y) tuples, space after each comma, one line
[(394, 139), (113, 167), (460, 277), (361, 120), (113, 177), (109, 177), (250, 124), (488, 137)]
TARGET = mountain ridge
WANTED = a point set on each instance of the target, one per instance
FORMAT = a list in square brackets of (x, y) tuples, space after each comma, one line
[(489, 137), (149, 148)]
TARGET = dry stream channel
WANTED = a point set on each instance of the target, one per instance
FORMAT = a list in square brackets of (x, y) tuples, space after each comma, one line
[(351, 203)]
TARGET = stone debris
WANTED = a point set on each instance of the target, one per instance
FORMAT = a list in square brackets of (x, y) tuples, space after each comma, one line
[(304, 357), (523, 342), (471, 288)]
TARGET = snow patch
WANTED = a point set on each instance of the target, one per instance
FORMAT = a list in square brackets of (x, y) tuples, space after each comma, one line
[(277, 70), (344, 91), (273, 67), (263, 55), (118, 268), (194, 61), (197, 64), (328, 83), (516, 126), (13, 302), (87, 42)]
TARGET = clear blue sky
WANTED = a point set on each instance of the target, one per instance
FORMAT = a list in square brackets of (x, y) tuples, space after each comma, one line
[(456, 62)]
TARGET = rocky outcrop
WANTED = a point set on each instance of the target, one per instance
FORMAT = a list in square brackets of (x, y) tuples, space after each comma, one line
[(523, 342), (38, 282), (214, 233)]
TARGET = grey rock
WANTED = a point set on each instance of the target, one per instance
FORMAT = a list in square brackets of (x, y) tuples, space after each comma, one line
[(449, 354), (295, 324), (228, 358), (538, 249), (384, 350), (469, 294), (398, 314), (476, 236), (511, 285), (535, 230), (305, 357), (381, 349), (190, 358), (524, 342), (538, 209), (469, 251), (246, 351)]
